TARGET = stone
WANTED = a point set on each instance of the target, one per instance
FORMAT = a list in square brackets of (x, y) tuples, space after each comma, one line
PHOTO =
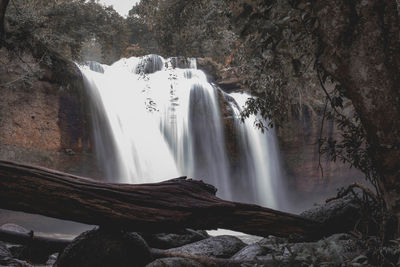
[(104, 248), (38, 121), (149, 64), (28, 252), (174, 262), (31, 253), (180, 62), (223, 246), (211, 68), (251, 252), (250, 239), (339, 215), (15, 228), (6, 258), (336, 250), (5, 254), (362, 260), (173, 240), (332, 251), (52, 259)]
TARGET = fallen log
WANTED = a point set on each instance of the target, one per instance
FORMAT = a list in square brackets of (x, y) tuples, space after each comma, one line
[(160, 207)]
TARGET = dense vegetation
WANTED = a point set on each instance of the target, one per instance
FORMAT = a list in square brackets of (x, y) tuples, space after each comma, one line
[(67, 26), (288, 53)]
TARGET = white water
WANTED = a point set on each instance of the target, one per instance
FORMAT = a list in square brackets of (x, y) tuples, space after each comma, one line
[(261, 157), (154, 122)]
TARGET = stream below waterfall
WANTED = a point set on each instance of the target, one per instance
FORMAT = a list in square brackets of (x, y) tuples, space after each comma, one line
[(156, 119)]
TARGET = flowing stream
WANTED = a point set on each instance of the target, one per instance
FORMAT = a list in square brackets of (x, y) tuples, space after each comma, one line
[(156, 119)]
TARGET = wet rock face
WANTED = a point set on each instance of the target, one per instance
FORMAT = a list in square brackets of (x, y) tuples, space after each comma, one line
[(298, 140), (166, 241), (43, 115), (231, 133), (149, 64), (219, 246), (180, 62), (101, 248)]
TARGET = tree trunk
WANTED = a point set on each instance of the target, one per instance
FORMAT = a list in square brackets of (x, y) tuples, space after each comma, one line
[(160, 207), (3, 8), (361, 49)]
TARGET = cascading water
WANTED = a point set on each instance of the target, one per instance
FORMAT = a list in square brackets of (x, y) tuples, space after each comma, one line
[(154, 120), (260, 155)]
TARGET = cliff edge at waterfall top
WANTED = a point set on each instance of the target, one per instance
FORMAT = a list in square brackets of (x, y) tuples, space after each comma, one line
[(286, 111)]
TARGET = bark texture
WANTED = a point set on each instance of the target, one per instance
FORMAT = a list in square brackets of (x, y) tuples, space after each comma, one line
[(3, 8), (361, 49), (160, 207)]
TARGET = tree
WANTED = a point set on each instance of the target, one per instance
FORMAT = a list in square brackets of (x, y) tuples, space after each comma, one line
[(66, 26), (361, 50), (358, 51), (188, 28), (142, 38)]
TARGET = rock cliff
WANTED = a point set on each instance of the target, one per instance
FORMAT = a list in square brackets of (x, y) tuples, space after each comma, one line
[(43, 116)]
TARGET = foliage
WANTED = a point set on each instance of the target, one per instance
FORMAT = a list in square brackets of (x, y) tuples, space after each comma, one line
[(275, 59), (66, 25), (352, 147), (142, 38), (188, 28)]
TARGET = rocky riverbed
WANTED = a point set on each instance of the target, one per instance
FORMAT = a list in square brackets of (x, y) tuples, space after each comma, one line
[(97, 248), (112, 247)]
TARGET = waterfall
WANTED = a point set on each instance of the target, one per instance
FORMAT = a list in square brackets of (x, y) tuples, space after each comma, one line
[(156, 119), (260, 155)]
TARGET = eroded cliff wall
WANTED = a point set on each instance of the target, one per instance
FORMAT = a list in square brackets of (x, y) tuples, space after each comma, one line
[(44, 118)]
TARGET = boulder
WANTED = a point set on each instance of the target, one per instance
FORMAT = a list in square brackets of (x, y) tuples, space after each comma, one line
[(223, 246), (6, 258), (262, 250), (174, 262), (173, 240), (14, 228), (336, 250), (5, 254), (104, 248), (339, 215), (29, 252), (251, 252)]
